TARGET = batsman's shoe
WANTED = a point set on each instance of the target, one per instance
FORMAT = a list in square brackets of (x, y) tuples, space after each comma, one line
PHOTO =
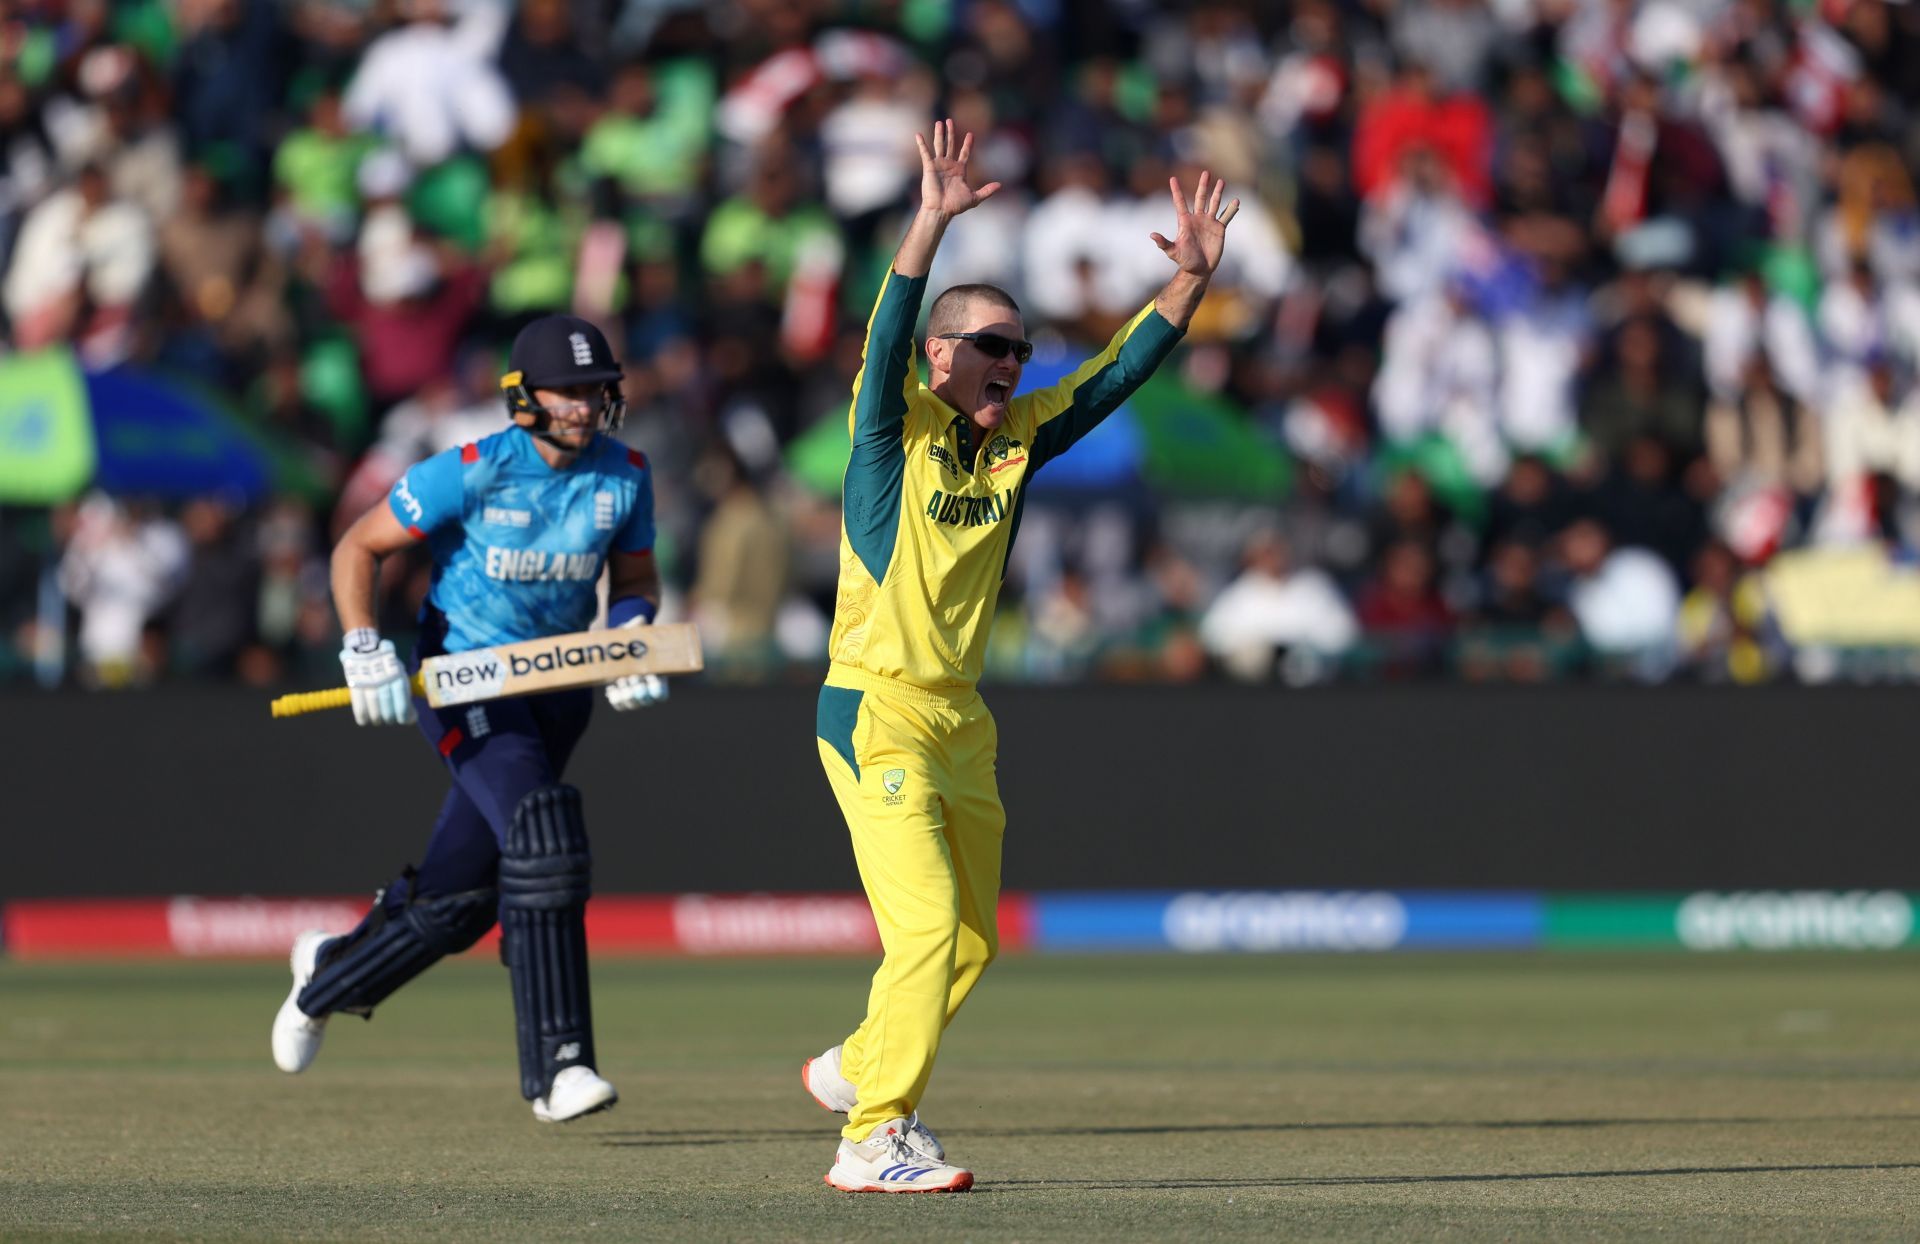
[(296, 1034), (921, 1137), (823, 1079), (577, 1092), (837, 1093), (887, 1162)]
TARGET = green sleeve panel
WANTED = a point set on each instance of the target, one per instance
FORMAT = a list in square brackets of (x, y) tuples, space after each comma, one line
[(1098, 388), (870, 494), (834, 719), (1013, 526)]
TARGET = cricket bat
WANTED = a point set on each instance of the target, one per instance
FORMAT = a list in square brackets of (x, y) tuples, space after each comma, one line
[(583, 659)]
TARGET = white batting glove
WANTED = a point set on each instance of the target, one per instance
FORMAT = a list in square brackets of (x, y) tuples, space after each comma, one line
[(382, 692), (636, 691)]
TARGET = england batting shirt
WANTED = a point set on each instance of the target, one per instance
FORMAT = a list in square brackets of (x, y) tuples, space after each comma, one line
[(518, 545), (925, 525)]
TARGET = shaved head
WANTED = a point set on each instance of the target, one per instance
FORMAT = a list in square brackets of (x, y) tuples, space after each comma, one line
[(966, 377), (953, 309)]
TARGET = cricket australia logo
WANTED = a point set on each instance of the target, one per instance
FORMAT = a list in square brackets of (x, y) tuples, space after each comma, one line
[(893, 780), (1003, 452), (582, 352)]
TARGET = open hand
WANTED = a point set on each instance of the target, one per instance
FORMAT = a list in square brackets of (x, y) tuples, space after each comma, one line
[(1201, 227), (943, 173)]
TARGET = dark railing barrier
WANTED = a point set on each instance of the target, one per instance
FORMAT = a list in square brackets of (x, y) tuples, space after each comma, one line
[(195, 791)]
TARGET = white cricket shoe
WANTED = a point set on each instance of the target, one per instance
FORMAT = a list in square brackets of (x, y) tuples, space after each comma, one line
[(921, 1137), (296, 1034), (837, 1093), (577, 1091), (887, 1162), (831, 1089)]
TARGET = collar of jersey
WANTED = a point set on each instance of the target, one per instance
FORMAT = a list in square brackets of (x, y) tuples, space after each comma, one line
[(967, 430), (964, 439), (526, 451)]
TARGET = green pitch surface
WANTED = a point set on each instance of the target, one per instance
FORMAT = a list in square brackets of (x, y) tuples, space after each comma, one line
[(1101, 1099)]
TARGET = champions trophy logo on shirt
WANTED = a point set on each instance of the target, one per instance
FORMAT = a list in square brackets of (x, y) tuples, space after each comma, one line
[(582, 352)]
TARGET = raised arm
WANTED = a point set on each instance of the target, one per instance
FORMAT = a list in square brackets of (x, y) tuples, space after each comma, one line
[(870, 492), (944, 194), (1200, 235), (1074, 407), (886, 368)]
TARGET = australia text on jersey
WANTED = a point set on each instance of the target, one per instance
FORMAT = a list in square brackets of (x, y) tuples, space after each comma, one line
[(960, 511)]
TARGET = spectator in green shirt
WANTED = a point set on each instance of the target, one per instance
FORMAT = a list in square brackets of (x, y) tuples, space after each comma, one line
[(533, 233), (651, 146), (316, 165), (767, 224), (653, 139)]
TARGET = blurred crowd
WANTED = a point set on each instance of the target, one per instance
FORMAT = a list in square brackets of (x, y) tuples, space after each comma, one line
[(1568, 319)]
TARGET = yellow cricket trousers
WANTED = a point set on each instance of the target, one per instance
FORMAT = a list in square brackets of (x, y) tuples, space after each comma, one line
[(913, 771)]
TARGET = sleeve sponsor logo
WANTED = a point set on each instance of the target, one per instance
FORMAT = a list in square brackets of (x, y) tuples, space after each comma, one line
[(407, 501), (540, 566)]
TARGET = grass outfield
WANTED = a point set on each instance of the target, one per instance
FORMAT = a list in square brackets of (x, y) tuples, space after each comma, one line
[(1512, 1097)]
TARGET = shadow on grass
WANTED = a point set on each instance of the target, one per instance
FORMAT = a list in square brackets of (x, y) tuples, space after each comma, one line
[(1343, 1181), (663, 1138), (668, 1138), (1437, 1125)]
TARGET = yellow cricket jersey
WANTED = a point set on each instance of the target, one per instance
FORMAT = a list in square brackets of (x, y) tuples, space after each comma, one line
[(925, 528)]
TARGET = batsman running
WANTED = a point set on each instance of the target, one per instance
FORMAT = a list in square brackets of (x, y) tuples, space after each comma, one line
[(520, 525), (931, 502)]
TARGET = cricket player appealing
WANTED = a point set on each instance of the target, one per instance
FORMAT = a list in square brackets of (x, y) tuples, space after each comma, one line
[(520, 525), (931, 501)]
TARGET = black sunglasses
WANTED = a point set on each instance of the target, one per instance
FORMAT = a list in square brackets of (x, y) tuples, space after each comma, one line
[(993, 345)]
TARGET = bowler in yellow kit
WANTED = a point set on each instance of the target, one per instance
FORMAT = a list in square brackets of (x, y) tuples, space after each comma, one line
[(931, 502)]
